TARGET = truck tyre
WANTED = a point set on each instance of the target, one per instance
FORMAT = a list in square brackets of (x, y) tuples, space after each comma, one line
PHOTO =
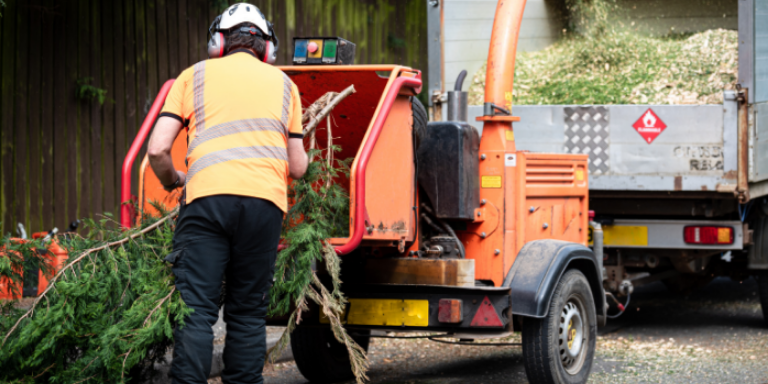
[(420, 119), (559, 348), (320, 357), (762, 285)]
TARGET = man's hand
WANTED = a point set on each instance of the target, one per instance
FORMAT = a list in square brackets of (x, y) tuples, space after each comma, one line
[(182, 179)]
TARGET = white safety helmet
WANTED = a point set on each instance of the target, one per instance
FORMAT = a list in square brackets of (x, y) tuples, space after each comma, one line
[(238, 14)]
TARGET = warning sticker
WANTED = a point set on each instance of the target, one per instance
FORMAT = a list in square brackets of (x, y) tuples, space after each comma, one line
[(490, 181), (649, 126)]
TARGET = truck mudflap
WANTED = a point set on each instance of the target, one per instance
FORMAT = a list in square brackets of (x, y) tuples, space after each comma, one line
[(424, 308), (537, 270)]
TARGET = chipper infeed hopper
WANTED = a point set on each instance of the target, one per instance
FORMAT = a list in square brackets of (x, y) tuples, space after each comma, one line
[(448, 232)]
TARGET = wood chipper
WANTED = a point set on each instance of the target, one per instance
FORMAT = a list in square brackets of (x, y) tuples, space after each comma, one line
[(449, 234)]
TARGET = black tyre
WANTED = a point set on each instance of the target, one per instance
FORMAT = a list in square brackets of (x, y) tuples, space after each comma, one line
[(420, 119), (559, 348), (320, 357), (762, 286)]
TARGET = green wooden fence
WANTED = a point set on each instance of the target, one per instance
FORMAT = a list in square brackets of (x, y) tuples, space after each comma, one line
[(62, 150)]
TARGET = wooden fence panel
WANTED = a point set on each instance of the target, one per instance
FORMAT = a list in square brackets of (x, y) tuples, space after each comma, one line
[(96, 203), (46, 112), (61, 154)]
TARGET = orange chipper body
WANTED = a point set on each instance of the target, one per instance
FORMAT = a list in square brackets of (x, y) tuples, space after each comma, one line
[(523, 196)]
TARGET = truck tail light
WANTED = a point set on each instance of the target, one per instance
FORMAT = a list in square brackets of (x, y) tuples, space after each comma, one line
[(708, 235), (449, 311)]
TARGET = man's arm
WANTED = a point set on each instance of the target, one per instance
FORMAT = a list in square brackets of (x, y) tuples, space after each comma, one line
[(297, 158), (160, 144)]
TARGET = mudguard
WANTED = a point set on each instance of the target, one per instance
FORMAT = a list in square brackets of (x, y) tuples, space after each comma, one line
[(537, 270)]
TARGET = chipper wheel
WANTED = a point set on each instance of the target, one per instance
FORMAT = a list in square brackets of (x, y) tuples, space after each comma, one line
[(762, 286), (559, 348), (320, 357)]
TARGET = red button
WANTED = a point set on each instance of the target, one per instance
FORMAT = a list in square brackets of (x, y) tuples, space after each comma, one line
[(312, 47)]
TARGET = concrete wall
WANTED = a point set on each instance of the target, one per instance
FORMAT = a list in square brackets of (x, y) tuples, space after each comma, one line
[(467, 33)]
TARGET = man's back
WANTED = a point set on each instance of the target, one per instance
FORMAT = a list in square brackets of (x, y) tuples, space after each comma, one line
[(240, 113)]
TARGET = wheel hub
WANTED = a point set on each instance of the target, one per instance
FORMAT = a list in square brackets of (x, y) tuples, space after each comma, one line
[(571, 335)]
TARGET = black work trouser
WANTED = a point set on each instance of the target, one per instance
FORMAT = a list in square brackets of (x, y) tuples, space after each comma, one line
[(216, 236)]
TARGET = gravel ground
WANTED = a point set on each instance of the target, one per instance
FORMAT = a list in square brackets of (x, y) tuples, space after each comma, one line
[(716, 335)]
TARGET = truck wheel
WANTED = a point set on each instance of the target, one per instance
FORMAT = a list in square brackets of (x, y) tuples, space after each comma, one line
[(762, 284), (420, 119), (320, 357), (559, 348)]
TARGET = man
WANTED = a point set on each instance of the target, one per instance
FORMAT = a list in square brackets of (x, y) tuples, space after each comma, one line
[(245, 138)]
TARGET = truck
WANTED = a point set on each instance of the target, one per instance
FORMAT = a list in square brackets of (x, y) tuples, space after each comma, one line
[(451, 234), (679, 192)]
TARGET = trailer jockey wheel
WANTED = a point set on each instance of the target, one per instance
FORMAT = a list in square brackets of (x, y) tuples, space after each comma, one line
[(762, 284), (320, 357), (560, 347)]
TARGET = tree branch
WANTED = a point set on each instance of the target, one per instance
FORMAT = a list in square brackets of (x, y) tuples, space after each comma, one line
[(52, 282), (314, 121)]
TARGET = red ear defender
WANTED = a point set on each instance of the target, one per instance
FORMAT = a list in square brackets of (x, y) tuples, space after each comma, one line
[(270, 53), (216, 45)]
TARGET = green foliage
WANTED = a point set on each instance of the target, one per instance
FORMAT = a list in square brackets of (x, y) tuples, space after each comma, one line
[(320, 211), (86, 91), (107, 318)]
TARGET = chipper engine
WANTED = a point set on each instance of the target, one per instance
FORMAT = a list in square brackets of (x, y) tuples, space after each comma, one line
[(450, 233)]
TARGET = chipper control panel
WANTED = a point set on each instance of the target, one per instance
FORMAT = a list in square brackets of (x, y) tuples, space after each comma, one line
[(323, 51)]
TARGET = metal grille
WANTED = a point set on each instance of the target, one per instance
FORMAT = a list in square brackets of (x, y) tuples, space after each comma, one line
[(586, 131)]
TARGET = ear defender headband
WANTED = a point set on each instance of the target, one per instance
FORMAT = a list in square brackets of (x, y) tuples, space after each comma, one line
[(217, 42)]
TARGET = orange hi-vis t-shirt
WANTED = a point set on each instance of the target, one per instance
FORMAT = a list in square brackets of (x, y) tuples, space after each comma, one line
[(240, 113)]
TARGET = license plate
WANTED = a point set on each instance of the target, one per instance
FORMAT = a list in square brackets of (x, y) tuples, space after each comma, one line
[(623, 235), (387, 312)]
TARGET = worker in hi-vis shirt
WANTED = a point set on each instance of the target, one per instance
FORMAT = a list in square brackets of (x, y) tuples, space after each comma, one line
[(243, 118)]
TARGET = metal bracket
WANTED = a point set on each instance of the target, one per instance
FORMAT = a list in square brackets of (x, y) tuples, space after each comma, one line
[(490, 109)]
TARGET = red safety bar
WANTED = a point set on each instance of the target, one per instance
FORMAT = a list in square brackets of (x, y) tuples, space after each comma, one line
[(365, 155), (146, 126)]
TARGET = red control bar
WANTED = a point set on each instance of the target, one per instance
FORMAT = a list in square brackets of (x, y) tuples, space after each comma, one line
[(146, 126)]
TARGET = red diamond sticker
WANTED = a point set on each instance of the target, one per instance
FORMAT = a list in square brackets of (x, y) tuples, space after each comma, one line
[(649, 126)]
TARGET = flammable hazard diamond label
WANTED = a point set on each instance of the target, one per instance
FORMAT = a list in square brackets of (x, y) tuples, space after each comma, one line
[(649, 126)]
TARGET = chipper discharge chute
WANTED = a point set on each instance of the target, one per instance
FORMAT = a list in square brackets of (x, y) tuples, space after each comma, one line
[(449, 232)]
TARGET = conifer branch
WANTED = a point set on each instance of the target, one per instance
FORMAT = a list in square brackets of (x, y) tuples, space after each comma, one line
[(86, 253), (158, 306)]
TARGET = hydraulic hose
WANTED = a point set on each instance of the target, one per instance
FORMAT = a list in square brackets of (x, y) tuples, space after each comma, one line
[(622, 307)]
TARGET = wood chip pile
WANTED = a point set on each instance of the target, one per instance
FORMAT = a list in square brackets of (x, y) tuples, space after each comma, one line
[(625, 68)]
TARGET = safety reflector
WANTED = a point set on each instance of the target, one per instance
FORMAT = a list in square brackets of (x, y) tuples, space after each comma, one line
[(449, 311), (486, 316), (708, 235)]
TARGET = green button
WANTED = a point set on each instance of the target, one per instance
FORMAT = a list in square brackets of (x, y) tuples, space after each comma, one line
[(329, 49)]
